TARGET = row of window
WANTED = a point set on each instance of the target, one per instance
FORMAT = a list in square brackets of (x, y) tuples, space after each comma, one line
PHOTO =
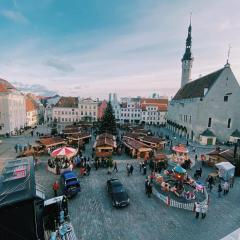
[(86, 107), (185, 118), (74, 113), (72, 119), (229, 122)]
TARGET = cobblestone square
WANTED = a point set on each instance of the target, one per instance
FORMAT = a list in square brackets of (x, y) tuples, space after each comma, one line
[(145, 218)]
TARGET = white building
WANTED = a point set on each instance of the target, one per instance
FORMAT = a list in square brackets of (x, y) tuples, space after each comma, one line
[(207, 108), (74, 109), (154, 111), (140, 110), (88, 109), (12, 108)]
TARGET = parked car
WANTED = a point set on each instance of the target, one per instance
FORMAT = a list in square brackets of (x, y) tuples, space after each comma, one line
[(117, 192), (70, 184)]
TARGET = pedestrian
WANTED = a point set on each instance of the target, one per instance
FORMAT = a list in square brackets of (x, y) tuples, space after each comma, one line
[(16, 148), (20, 148), (196, 157), (115, 167), (200, 171), (219, 190), (231, 182), (140, 166), (128, 169), (197, 209), (131, 169), (225, 188), (146, 185), (144, 170), (55, 188), (88, 169), (204, 209), (210, 182), (149, 190)]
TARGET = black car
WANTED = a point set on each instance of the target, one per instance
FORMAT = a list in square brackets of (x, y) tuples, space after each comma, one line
[(117, 192)]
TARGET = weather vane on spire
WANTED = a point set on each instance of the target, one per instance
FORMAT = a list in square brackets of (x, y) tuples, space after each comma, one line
[(190, 18), (229, 51)]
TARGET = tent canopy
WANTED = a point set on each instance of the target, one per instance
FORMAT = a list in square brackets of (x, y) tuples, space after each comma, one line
[(225, 165)]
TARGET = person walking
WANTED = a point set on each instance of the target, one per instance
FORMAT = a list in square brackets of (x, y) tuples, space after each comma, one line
[(146, 185), (144, 170), (16, 148), (128, 169), (219, 190), (225, 188), (197, 209), (204, 209), (55, 188), (210, 182), (196, 157), (231, 182), (131, 169), (115, 167), (140, 166)]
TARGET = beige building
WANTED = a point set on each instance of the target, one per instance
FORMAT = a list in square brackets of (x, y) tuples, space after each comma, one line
[(31, 112), (12, 108)]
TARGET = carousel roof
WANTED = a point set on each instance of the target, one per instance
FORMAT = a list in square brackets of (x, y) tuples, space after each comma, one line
[(179, 169), (64, 151), (180, 149)]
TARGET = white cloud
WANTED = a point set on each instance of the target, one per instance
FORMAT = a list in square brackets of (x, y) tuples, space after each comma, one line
[(143, 58), (15, 16)]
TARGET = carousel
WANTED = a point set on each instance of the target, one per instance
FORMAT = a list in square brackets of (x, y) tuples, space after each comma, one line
[(61, 160), (180, 156), (178, 185)]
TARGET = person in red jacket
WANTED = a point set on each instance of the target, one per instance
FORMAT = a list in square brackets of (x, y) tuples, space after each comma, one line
[(55, 188)]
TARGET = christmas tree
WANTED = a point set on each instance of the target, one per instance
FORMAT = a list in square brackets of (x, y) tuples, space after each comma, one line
[(108, 122)]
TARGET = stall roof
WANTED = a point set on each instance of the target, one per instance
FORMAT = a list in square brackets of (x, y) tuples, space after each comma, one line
[(152, 139), (48, 142), (106, 135), (71, 131), (105, 142), (135, 143), (132, 135), (226, 165), (80, 136), (227, 154), (17, 181)]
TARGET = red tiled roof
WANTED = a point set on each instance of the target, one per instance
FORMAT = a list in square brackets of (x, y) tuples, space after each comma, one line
[(67, 102), (154, 101), (3, 88), (30, 104)]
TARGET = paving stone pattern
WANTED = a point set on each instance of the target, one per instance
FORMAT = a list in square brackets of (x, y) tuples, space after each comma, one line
[(93, 216)]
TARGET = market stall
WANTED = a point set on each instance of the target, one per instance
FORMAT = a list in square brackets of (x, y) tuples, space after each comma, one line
[(225, 170), (136, 148)]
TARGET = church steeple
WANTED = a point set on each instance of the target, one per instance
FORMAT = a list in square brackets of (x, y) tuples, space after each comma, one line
[(187, 58)]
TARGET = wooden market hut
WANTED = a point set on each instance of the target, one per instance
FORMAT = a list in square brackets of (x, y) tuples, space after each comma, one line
[(153, 142), (136, 148), (104, 146), (51, 142), (220, 155), (79, 139)]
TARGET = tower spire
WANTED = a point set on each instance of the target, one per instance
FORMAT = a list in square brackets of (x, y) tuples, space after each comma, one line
[(187, 58)]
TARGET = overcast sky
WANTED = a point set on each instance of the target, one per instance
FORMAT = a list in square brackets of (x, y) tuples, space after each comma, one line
[(131, 47)]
